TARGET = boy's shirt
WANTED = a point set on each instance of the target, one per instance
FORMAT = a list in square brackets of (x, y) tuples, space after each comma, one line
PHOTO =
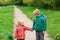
[(39, 23), (20, 32)]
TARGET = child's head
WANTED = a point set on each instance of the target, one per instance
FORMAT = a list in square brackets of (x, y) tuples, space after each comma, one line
[(21, 22), (36, 12)]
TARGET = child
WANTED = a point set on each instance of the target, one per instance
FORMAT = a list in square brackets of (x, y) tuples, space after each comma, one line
[(19, 32), (39, 24)]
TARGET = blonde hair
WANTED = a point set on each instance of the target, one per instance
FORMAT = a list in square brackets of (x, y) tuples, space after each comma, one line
[(21, 21), (36, 10)]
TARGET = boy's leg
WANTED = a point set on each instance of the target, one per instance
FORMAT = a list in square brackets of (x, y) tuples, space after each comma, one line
[(41, 36), (37, 36)]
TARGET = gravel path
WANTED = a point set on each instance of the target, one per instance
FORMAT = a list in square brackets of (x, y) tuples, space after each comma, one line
[(18, 15)]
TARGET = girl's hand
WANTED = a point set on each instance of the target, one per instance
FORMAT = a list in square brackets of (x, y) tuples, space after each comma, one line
[(31, 30)]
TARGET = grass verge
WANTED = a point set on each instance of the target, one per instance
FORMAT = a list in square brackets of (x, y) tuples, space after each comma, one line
[(6, 22)]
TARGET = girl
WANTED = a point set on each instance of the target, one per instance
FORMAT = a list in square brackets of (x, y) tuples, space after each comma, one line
[(19, 31)]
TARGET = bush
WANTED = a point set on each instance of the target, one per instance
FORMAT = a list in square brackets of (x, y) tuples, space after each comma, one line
[(5, 2), (27, 2), (47, 4), (57, 37), (18, 2), (10, 36), (37, 3), (57, 4)]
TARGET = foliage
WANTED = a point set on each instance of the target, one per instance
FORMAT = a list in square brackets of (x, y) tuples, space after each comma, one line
[(18, 2), (57, 37), (51, 4), (27, 2), (4, 2), (47, 4)]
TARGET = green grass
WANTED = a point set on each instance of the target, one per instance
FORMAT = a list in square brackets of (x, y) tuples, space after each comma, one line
[(52, 16), (6, 21)]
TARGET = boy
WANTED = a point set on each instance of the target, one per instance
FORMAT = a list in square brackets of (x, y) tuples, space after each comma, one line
[(39, 25), (19, 32)]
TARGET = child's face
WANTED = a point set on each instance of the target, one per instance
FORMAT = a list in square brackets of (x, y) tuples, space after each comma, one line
[(36, 13)]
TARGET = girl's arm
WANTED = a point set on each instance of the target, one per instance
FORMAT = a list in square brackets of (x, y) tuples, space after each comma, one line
[(28, 28), (33, 25)]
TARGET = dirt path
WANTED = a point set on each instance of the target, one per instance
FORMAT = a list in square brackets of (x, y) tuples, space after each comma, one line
[(18, 15)]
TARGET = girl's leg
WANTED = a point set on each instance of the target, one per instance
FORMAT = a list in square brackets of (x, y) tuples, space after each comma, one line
[(20, 39)]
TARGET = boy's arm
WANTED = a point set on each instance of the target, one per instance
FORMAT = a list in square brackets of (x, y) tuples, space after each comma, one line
[(45, 25), (33, 25), (44, 28), (44, 22)]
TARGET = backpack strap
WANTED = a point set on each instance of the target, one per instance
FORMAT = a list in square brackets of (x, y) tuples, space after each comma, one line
[(16, 29), (24, 28), (43, 19)]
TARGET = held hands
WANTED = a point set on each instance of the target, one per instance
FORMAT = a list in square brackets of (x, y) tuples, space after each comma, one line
[(31, 30)]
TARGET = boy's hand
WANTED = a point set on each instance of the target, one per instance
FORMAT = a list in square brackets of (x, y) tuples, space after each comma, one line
[(43, 32), (31, 30)]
